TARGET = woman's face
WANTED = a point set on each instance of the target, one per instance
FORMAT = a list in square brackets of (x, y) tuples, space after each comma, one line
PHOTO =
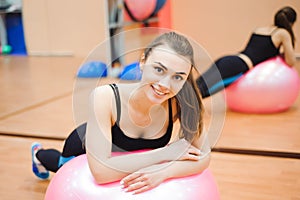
[(164, 73)]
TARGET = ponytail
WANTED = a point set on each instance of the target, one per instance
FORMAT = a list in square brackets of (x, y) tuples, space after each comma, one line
[(284, 18)]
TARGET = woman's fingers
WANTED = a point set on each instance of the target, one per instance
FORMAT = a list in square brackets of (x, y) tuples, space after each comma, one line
[(130, 179), (141, 189), (135, 183), (194, 151), (138, 187)]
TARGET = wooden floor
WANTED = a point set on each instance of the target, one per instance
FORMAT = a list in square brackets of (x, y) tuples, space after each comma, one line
[(256, 156)]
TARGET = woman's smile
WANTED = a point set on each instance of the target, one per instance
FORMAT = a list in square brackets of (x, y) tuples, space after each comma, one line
[(158, 91)]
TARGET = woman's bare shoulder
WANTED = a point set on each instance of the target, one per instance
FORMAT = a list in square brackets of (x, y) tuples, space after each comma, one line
[(283, 32), (264, 30), (102, 88), (103, 92)]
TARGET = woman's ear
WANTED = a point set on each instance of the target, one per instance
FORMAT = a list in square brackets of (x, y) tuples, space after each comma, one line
[(143, 58), (142, 61)]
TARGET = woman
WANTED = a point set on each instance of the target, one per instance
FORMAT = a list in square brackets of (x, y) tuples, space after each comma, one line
[(139, 116), (264, 43)]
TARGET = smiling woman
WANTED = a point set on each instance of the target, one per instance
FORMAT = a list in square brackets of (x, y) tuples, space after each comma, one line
[(166, 71), (138, 116), (141, 115)]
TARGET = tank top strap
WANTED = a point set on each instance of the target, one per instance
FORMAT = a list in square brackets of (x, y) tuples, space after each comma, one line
[(170, 111), (118, 101)]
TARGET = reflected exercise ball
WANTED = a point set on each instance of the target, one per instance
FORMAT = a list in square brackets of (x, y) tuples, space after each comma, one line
[(92, 69), (131, 72), (140, 10), (269, 87)]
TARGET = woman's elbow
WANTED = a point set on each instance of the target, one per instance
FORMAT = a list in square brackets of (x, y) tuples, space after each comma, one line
[(101, 178), (104, 175), (204, 163), (101, 174), (207, 161), (290, 61)]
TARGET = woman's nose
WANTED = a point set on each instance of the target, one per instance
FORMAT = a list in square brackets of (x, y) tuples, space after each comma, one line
[(165, 82)]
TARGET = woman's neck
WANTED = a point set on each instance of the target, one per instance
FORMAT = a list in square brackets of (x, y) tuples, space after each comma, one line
[(140, 107)]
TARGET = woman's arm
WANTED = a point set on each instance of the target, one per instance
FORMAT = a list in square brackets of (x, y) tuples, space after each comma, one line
[(105, 167), (288, 50), (189, 167), (152, 176)]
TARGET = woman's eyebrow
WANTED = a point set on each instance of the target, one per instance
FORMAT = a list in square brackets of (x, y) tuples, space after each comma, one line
[(182, 73), (160, 64)]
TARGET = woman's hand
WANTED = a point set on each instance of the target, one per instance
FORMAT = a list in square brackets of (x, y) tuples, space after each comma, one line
[(150, 177), (143, 180), (182, 150)]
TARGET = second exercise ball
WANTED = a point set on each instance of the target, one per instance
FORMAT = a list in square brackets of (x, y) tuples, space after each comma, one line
[(140, 10), (131, 72), (271, 86), (92, 69)]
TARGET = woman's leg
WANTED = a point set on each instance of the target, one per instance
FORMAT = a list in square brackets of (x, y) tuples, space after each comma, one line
[(74, 145), (49, 158), (52, 159), (221, 74)]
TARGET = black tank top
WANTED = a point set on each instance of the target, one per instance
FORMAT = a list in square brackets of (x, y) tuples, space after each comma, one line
[(121, 142), (260, 48)]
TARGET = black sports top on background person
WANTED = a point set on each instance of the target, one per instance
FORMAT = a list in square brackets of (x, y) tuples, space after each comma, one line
[(122, 142), (260, 48)]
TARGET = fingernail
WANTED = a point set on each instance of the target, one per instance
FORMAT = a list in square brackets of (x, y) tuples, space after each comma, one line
[(122, 182)]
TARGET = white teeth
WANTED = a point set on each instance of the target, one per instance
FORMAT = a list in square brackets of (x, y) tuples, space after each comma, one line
[(160, 93)]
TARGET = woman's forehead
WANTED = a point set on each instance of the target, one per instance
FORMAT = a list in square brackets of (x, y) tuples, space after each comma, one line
[(164, 54)]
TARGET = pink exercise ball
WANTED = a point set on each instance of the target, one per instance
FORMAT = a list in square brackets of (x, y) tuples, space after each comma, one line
[(75, 181), (141, 9), (271, 86)]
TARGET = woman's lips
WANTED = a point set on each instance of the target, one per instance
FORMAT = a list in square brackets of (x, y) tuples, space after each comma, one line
[(158, 92)]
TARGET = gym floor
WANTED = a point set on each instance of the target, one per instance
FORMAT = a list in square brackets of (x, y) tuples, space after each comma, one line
[(256, 156)]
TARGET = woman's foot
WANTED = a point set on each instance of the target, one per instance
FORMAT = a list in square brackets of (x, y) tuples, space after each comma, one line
[(38, 169)]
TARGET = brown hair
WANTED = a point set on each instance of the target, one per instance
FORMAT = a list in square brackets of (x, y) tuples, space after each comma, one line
[(188, 99), (284, 18)]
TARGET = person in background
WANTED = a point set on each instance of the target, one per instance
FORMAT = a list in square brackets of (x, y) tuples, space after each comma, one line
[(264, 43)]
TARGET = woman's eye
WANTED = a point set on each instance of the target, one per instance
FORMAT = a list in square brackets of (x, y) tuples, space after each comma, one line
[(178, 78), (159, 69)]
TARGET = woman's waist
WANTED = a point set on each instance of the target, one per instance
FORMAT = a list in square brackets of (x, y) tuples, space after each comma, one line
[(254, 58), (246, 59)]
